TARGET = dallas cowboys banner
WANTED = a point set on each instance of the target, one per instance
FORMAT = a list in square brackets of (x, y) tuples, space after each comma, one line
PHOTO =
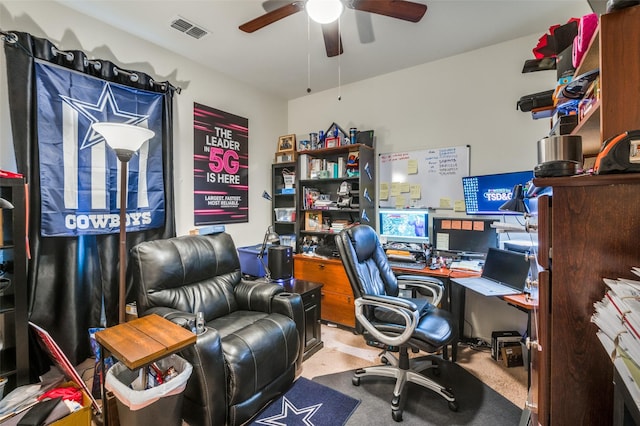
[(80, 174)]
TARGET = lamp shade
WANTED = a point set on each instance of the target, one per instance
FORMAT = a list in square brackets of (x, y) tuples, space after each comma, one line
[(324, 11), (123, 138), (516, 203), (4, 204)]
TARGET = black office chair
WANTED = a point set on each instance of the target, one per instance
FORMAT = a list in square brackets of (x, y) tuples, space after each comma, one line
[(396, 323)]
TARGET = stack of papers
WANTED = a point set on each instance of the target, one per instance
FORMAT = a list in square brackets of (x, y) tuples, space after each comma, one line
[(467, 265), (617, 316)]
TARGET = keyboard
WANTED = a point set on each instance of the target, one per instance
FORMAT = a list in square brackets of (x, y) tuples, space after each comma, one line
[(407, 265)]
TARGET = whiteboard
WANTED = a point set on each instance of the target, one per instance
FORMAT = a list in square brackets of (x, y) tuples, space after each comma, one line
[(428, 178)]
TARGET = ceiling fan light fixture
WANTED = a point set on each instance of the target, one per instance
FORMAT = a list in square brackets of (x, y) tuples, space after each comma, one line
[(324, 11)]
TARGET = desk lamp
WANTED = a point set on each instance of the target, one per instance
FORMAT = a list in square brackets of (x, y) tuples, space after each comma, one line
[(125, 140), (269, 237), (516, 203), (4, 204)]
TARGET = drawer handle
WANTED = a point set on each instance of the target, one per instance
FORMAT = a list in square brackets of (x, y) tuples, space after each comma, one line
[(321, 266)]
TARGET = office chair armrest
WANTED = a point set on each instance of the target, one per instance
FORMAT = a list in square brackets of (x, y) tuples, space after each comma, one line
[(405, 308), (428, 286)]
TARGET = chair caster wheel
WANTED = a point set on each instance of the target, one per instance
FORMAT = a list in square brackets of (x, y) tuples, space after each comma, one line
[(396, 415), (453, 405), (355, 381)]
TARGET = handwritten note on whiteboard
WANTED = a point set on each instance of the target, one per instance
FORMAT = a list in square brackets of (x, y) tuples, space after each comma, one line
[(423, 178)]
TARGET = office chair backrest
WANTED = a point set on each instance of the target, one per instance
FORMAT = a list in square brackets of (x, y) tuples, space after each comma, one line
[(365, 262)]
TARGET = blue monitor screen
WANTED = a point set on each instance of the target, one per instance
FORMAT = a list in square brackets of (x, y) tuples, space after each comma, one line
[(408, 226), (485, 194)]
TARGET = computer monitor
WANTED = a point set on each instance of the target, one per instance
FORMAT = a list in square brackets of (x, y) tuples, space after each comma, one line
[(405, 226), (464, 235), (483, 195)]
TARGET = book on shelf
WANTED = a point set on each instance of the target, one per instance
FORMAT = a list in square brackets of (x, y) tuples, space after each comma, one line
[(310, 197), (303, 164)]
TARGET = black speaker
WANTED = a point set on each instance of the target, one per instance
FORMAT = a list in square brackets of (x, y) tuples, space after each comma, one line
[(280, 262)]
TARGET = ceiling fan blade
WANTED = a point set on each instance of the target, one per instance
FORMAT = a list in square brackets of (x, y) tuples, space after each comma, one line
[(271, 17), (332, 39), (400, 9), (271, 5), (365, 28)]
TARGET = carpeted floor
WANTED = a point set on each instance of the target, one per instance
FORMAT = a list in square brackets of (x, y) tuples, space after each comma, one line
[(479, 405)]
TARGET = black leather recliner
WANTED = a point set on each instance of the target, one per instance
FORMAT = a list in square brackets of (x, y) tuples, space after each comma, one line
[(252, 346), (397, 323)]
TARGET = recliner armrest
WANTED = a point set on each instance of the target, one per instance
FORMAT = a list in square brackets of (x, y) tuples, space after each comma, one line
[(290, 305), (256, 295), (405, 308), (183, 319)]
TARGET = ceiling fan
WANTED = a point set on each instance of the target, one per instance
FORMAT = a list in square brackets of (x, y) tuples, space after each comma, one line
[(399, 9)]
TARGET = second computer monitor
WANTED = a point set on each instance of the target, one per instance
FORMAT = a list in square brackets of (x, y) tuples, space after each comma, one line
[(464, 235), (404, 225)]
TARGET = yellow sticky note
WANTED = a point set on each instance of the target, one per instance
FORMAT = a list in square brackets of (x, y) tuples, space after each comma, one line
[(405, 187), (395, 189), (445, 203), (459, 206), (415, 192), (384, 193), (401, 203), (412, 167)]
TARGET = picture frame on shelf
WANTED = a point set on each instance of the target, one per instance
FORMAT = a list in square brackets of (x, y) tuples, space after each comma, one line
[(287, 143), (332, 142), (313, 221), (285, 157)]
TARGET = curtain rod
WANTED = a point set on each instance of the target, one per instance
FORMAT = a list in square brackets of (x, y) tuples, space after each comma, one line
[(12, 38)]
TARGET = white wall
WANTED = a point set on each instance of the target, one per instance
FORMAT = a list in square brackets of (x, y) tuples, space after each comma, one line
[(267, 114), (465, 99)]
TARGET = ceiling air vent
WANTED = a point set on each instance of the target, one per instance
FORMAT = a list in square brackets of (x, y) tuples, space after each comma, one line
[(189, 28)]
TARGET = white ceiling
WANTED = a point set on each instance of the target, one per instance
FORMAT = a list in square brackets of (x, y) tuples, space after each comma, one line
[(281, 59)]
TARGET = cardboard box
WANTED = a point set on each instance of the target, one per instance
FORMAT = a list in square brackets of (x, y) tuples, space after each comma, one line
[(500, 339), (82, 417), (512, 356)]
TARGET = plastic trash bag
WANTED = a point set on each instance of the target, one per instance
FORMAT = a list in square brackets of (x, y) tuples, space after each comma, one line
[(119, 377)]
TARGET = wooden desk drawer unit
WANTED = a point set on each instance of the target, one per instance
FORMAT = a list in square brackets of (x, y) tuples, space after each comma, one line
[(337, 296)]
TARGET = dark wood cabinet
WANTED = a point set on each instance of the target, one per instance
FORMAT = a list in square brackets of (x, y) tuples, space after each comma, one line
[(311, 296), (588, 229), (14, 350)]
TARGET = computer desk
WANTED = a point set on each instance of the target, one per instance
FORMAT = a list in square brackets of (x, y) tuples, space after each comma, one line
[(454, 298)]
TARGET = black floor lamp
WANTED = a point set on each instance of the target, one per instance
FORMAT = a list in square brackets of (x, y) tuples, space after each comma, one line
[(125, 140)]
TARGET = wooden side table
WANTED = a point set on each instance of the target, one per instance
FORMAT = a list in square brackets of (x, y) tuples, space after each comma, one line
[(140, 342), (309, 291)]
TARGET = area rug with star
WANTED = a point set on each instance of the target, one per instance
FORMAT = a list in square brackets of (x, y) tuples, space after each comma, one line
[(308, 403)]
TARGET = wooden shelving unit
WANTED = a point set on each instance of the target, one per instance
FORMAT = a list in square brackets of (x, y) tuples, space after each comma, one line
[(14, 352)]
